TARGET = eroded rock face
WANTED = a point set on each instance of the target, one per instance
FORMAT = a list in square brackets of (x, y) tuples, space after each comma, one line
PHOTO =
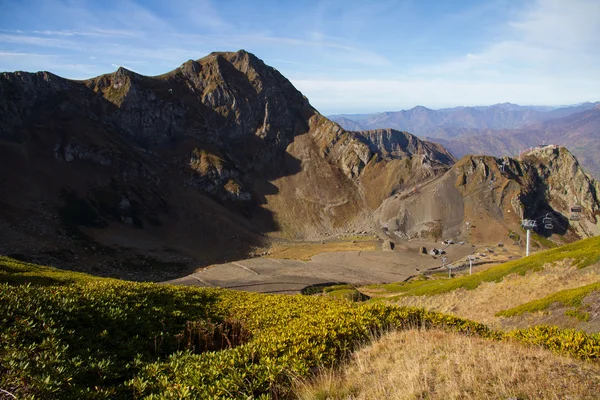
[(482, 198), (554, 175), (391, 144)]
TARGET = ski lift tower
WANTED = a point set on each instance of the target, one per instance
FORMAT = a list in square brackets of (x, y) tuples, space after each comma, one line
[(470, 258), (528, 224), (503, 165)]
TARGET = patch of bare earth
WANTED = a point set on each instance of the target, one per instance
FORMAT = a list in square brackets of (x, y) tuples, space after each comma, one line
[(419, 364), (304, 251)]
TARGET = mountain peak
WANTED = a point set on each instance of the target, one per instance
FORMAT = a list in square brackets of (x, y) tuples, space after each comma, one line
[(124, 72)]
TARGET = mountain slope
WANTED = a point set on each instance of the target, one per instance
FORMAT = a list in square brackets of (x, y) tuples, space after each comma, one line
[(137, 174), (476, 190)]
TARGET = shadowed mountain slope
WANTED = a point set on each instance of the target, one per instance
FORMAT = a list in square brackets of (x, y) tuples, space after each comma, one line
[(135, 174)]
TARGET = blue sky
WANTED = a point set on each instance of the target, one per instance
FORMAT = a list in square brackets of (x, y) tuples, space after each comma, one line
[(345, 56)]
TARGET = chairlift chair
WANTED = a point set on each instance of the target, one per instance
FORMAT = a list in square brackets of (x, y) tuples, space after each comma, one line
[(576, 210), (547, 222)]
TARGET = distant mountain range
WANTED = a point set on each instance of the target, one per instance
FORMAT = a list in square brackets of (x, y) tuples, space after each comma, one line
[(500, 130)]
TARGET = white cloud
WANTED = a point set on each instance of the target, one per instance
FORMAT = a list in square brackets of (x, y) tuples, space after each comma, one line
[(37, 41), (94, 32), (548, 54), (551, 37)]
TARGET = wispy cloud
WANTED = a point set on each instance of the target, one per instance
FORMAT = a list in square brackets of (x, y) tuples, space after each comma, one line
[(4, 54), (200, 14), (546, 38), (24, 39), (94, 32)]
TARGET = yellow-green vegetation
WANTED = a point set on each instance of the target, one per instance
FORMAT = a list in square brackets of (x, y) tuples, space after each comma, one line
[(542, 241), (577, 343), (582, 316), (72, 336), (16, 272), (567, 298), (345, 292), (583, 253)]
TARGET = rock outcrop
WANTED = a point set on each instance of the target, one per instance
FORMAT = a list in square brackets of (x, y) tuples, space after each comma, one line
[(484, 198)]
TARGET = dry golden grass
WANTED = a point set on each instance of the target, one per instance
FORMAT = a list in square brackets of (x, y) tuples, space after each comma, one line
[(481, 304), (419, 364), (304, 251)]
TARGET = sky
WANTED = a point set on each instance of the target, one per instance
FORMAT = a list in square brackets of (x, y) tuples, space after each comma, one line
[(345, 56)]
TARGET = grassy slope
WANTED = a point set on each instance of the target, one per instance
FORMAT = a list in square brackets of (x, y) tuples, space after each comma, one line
[(439, 365), (72, 336), (568, 298), (583, 253), (304, 251), (484, 302)]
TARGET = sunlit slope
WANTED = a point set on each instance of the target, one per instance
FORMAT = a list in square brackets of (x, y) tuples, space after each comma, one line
[(72, 336), (556, 287), (583, 253), (417, 364)]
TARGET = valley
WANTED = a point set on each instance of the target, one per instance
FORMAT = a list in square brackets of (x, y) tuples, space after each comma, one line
[(361, 267), (206, 233)]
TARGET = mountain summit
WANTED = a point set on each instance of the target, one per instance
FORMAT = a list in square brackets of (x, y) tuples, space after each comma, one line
[(190, 167)]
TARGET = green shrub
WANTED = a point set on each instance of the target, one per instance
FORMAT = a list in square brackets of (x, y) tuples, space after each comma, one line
[(580, 315), (72, 336)]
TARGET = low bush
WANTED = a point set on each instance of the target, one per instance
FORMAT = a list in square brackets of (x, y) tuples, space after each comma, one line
[(79, 337)]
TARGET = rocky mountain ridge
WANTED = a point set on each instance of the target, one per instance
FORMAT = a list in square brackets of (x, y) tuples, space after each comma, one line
[(485, 198), (191, 167), (498, 130), (578, 132)]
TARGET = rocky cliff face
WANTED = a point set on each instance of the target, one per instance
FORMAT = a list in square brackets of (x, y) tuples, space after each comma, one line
[(483, 198), (553, 175), (193, 166), (390, 143)]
